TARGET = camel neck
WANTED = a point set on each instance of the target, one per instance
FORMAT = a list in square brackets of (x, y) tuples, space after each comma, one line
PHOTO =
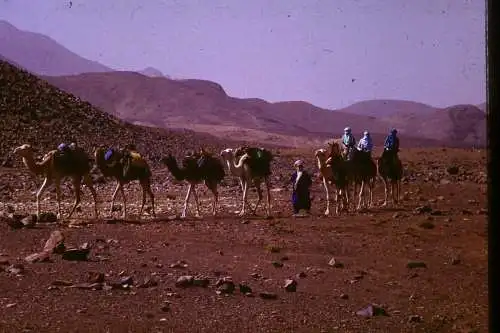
[(32, 166)]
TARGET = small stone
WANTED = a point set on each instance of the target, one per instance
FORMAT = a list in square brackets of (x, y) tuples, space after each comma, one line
[(179, 264), (335, 263), (244, 289), (344, 296), (416, 264), (290, 285), (301, 275), (184, 281), (75, 254), (415, 319), (455, 261), (201, 281), (10, 305), (372, 311)]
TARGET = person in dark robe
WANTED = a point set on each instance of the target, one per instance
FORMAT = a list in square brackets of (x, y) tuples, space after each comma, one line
[(301, 183)]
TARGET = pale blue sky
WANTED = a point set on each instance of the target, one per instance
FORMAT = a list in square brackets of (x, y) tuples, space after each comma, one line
[(430, 51)]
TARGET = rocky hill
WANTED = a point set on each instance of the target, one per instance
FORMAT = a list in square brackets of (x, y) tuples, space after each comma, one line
[(35, 112)]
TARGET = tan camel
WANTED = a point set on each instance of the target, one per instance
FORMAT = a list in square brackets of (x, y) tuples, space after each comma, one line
[(248, 176), (115, 167), (54, 167), (197, 168), (332, 171)]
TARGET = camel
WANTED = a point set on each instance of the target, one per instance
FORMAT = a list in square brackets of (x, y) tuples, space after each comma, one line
[(197, 168), (116, 167), (56, 165), (253, 167), (333, 170), (390, 170), (362, 171)]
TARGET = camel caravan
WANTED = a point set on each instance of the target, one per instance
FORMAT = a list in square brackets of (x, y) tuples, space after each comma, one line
[(343, 166)]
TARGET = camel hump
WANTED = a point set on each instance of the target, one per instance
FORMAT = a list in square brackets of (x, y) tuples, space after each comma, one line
[(71, 161), (212, 167)]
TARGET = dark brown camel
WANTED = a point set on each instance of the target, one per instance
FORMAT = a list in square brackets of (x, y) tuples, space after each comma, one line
[(390, 169), (197, 168), (125, 166), (362, 171), (253, 168), (56, 165)]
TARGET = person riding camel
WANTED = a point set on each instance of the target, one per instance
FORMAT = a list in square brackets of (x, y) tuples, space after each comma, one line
[(366, 144), (391, 145), (348, 142)]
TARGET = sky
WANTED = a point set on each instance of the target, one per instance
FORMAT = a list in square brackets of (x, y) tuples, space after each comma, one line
[(331, 53)]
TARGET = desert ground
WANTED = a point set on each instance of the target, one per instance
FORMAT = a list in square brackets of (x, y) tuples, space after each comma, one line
[(420, 266)]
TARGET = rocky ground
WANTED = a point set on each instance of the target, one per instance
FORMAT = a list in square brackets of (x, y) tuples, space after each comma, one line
[(420, 267)]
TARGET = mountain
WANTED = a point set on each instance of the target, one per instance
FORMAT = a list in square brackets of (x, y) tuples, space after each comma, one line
[(42, 55), (152, 72), (387, 108), (35, 112), (204, 106)]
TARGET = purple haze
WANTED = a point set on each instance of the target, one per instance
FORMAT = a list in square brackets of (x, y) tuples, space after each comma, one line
[(330, 53)]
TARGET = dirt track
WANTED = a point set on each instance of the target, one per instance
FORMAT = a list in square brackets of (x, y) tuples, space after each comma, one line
[(375, 247)]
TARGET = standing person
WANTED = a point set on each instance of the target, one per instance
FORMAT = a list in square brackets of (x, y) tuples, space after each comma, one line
[(348, 142), (301, 183)]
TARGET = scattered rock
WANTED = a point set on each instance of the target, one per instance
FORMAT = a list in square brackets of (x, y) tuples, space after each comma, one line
[(244, 289), (301, 275), (423, 209), (290, 285), (455, 261), (225, 286), (466, 212), (416, 264), (165, 307), (94, 277), (179, 264), (15, 269), (415, 319), (335, 263), (372, 311), (344, 296), (38, 257), (75, 254), (62, 283), (201, 281)]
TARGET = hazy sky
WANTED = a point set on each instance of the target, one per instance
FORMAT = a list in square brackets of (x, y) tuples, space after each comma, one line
[(328, 52)]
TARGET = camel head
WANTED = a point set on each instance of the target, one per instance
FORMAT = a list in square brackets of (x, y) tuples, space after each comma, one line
[(227, 154), (320, 154), (24, 150)]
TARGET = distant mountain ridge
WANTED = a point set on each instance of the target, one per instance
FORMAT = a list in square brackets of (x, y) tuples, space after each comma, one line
[(204, 105), (51, 57)]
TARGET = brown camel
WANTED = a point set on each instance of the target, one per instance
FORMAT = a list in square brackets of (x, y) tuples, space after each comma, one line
[(197, 168), (333, 171), (253, 168), (362, 171), (56, 165), (125, 166), (390, 169)]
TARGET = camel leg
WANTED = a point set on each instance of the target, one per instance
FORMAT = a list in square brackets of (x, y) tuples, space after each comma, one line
[(268, 198), (372, 185), (186, 200), (325, 184), (147, 187), (143, 201), (87, 180), (360, 196), (385, 191), (196, 201), (113, 197), (245, 192), (338, 198), (57, 185), (259, 194), (399, 190), (77, 183), (213, 188), (45, 184)]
